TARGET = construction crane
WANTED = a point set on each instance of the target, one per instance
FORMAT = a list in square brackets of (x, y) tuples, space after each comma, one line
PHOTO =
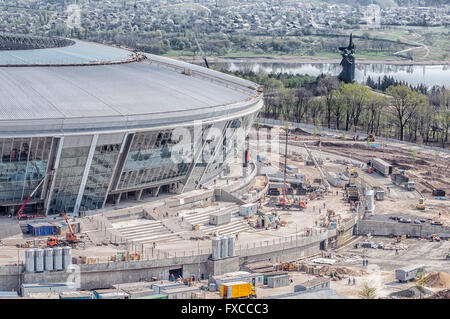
[(19, 212), (201, 52), (283, 201), (70, 236), (324, 179)]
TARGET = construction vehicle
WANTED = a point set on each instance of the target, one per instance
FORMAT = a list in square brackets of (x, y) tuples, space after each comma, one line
[(379, 193), (351, 172), (380, 166), (421, 204), (53, 241), (237, 289), (21, 216), (70, 235), (402, 180)]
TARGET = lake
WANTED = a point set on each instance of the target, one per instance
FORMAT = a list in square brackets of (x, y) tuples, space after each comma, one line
[(413, 74)]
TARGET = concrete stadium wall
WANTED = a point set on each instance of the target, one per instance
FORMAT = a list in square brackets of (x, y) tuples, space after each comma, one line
[(10, 276), (386, 228), (104, 275)]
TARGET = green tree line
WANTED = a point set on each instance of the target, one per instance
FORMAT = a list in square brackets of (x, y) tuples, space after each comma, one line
[(400, 112)]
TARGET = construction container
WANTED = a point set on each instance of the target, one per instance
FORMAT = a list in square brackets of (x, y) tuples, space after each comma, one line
[(256, 279), (8, 294), (39, 260), (408, 273), (248, 210), (438, 192), (220, 218), (110, 294), (29, 260), (76, 295), (278, 281), (46, 288), (66, 257), (184, 292), (239, 289), (48, 259), (223, 247), (57, 258), (216, 248), (231, 245), (41, 229), (158, 287), (156, 296)]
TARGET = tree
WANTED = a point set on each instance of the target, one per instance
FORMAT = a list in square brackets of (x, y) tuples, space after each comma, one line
[(406, 104), (325, 87), (367, 292), (421, 281)]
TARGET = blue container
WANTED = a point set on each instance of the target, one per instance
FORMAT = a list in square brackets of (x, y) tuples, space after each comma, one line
[(41, 229)]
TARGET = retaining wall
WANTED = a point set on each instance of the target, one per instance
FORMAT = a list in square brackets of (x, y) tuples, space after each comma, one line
[(386, 228)]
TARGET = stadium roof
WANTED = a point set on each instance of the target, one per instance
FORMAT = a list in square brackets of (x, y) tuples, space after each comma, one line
[(80, 52), (148, 93)]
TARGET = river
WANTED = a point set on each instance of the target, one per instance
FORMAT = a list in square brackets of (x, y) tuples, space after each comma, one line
[(413, 74)]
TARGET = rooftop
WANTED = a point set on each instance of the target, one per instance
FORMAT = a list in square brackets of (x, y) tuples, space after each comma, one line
[(153, 92)]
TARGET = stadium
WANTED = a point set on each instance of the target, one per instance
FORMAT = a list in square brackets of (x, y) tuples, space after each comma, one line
[(82, 123)]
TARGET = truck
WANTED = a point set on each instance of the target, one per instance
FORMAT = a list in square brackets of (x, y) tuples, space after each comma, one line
[(237, 289), (379, 193), (402, 180), (380, 166)]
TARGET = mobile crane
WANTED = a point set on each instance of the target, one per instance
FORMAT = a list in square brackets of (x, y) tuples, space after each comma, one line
[(21, 216)]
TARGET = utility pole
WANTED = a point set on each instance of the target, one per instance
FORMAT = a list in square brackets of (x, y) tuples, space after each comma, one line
[(285, 163)]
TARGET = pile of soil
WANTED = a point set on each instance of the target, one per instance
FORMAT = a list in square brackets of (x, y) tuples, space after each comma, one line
[(438, 280), (341, 271), (412, 292), (443, 294)]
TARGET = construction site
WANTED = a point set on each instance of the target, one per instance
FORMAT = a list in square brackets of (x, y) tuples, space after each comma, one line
[(310, 216)]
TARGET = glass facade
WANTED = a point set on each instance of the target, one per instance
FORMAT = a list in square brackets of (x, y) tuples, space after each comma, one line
[(152, 159), (100, 172), (85, 167), (68, 178), (23, 164)]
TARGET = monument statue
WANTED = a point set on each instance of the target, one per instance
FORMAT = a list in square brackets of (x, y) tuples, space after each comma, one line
[(348, 62)]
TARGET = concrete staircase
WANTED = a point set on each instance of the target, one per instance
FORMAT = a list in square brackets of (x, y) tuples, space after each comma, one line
[(147, 232), (201, 217)]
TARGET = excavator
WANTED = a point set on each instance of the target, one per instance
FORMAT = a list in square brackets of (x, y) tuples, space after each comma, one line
[(351, 171), (421, 205)]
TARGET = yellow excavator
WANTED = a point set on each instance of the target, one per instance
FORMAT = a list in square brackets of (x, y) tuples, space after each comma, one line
[(421, 205)]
